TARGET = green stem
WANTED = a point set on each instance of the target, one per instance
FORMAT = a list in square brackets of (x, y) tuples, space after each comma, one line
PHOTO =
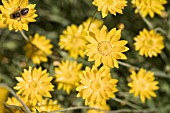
[(126, 103), (24, 36), (158, 74), (27, 110), (128, 65), (92, 20), (74, 108), (133, 111), (149, 24)]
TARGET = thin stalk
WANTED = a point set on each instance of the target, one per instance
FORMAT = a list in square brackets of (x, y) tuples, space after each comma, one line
[(74, 108), (158, 74), (126, 103), (92, 20), (149, 24), (24, 36), (27, 110)]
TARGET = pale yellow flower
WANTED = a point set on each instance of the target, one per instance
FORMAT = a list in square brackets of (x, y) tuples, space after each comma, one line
[(112, 6), (73, 40), (18, 13), (143, 84), (94, 25), (105, 47), (149, 43), (47, 105), (149, 7), (96, 86), (67, 75), (3, 96), (13, 101), (34, 84), (38, 48)]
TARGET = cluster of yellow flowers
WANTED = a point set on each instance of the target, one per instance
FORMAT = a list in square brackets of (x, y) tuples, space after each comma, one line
[(95, 85)]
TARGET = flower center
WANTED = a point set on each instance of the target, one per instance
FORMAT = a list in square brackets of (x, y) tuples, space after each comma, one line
[(148, 43), (77, 42), (142, 85), (95, 86), (33, 85), (104, 48)]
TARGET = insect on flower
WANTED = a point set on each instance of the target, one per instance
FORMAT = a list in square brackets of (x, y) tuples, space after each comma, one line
[(24, 11), (19, 13), (16, 15)]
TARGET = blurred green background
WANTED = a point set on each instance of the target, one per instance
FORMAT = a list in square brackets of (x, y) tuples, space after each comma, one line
[(55, 15)]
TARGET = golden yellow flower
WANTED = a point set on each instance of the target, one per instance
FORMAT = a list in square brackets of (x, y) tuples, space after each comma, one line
[(2, 25), (18, 13), (149, 43), (67, 75), (34, 84), (96, 24), (13, 101), (105, 47), (113, 6), (96, 86), (47, 105), (104, 107), (143, 83), (3, 96), (73, 40), (38, 48), (149, 7)]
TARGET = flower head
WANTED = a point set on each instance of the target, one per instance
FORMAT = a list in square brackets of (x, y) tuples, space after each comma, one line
[(105, 47), (67, 75), (3, 96), (73, 40), (46, 106), (95, 25), (113, 6), (96, 86), (34, 84), (17, 14), (149, 43), (38, 48), (13, 101), (143, 84), (149, 7)]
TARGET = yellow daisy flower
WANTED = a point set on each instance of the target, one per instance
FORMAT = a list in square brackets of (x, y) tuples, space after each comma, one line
[(38, 49), (105, 47), (18, 13), (3, 96), (113, 6), (46, 106), (34, 84), (96, 24), (104, 107), (149, 7), (2, 25), (149, 43), (67, 75), (13, 101), (96, 86), (143, 84), (73, 40)]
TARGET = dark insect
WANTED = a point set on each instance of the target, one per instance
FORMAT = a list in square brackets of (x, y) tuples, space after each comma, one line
[(16, 15), (24, 11)]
